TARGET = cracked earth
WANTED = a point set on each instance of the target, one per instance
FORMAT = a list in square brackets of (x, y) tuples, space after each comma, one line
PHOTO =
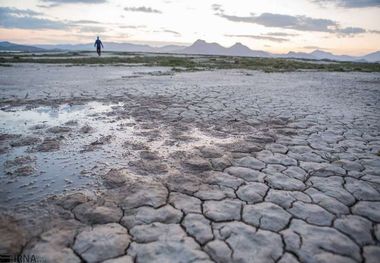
[(213, 166)]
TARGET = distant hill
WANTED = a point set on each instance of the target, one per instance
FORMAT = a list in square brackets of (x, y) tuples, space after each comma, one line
[(199, 47), (372, 57), (202, 47), (120, 47), (299, 55), (8, 46)]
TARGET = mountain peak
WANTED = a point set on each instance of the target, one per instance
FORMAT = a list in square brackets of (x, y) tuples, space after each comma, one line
[(199, 41), (238, 44), (319, 51)]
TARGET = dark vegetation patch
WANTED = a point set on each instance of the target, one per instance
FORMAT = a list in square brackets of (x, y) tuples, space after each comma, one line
[(191, 63)]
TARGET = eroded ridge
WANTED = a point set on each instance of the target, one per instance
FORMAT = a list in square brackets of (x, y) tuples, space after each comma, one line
[(287, 178)]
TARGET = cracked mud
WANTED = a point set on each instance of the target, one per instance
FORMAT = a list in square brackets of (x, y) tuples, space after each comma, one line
[(212, 166)]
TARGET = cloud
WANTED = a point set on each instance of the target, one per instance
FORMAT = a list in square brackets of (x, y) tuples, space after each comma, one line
[(143, 9), (60, 2), (349, 31), (92, 29), (85, 22), (54, 3), (132, 27), (172, 32), (282, 34), (26, 19), (217, 7), (299, 23), (351, 3), (262, 37), (315, 48)]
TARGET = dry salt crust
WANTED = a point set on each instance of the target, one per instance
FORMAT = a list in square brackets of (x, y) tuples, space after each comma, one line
[(134, 164)]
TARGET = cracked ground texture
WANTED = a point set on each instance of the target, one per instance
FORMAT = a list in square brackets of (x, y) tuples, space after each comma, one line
[(298, 181)]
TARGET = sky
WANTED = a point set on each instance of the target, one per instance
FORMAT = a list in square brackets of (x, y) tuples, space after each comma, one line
[(340, 26)]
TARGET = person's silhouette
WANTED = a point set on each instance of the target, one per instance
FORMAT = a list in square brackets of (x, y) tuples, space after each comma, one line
[(99, 46)]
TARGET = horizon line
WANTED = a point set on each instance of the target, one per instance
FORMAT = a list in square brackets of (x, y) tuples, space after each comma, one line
[(187, 44)]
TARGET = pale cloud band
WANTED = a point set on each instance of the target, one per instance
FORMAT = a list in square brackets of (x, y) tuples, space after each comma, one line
[(261, 37), (27, 19), (351, 3), (299, 23), (142, 9)]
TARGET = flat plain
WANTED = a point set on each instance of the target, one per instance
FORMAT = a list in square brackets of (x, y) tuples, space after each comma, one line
[(147, 158)]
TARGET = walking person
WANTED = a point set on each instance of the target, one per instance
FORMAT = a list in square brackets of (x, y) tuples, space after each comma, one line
[(99, 46)]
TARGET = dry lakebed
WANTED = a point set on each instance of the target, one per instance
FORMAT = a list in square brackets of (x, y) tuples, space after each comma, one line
[(135, 163)]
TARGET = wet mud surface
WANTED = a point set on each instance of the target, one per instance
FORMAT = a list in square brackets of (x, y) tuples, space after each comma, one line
[(213, 166)]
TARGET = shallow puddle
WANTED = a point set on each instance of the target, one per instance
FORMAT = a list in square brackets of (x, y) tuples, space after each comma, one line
[(52, 150), (53, 172)]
